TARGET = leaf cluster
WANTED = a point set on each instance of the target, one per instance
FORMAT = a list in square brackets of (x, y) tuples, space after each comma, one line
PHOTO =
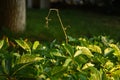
[(96, 58)]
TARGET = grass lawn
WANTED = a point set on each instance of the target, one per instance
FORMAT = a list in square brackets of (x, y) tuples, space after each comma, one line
[(78, 23)]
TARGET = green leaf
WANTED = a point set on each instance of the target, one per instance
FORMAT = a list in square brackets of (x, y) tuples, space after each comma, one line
[(104, 40), (115, 47), (57, 71), (67, 61), (20, 67), (95, 74), (85, 51), (52, 43), (71, 39), (25, 58), (55, 52), (95, 48), (108, 52), (108, 65), (3, 63), (69, 49), (16, 55), (115, 68), (117, 50), (87, 65), (1, 43), (24, 45), (115, 72), (82, 77), (77, 53), (35, 45), (24, 61)]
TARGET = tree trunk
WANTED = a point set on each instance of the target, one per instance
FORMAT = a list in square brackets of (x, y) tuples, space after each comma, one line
[(13, 14)]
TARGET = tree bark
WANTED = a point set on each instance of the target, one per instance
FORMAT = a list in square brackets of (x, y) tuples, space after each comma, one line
[(13, 14)]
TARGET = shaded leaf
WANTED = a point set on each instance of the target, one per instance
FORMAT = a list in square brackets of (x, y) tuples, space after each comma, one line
[(57, 71), (3, 66), (69, 49), (56, 52)]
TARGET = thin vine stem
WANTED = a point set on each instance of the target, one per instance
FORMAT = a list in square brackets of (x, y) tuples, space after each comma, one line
[(61, 23)]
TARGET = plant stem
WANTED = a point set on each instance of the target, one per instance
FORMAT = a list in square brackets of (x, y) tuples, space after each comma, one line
[(59, 18)]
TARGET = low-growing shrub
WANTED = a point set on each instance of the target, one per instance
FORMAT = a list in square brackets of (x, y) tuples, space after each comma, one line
[(97, 58)]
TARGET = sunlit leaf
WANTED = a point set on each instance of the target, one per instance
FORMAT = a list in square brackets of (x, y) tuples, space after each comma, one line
[(24, 45), (1, 43), (115, 68), (35, 45), (108, 51), (77, 53), (85, 51), (76, 60), (87, 65), (67, 61), (25, 58), (104, 40), (108, 65), (95, 48), (117, 50), (115, 47), (115, 72), (42, 76), (95, 74)]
